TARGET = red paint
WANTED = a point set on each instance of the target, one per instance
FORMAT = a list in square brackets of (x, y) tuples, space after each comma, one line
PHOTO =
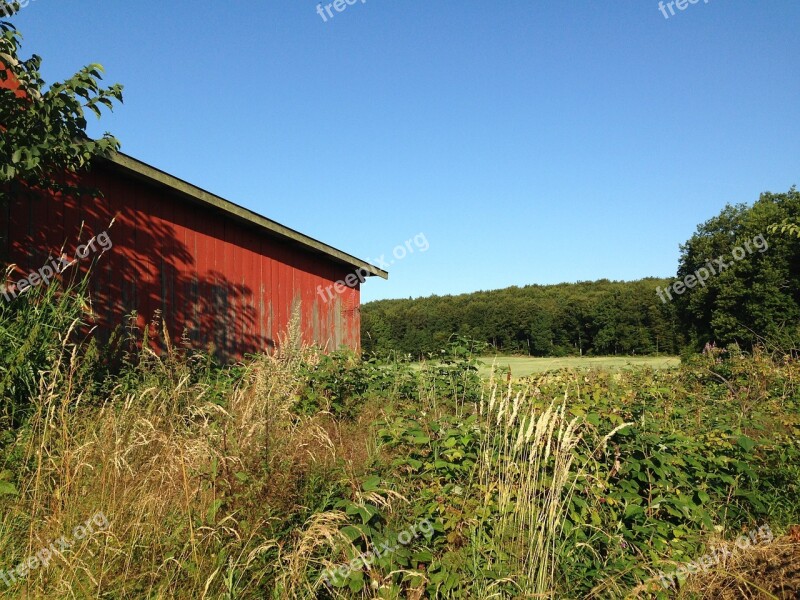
[(220, 281), (9, 81)]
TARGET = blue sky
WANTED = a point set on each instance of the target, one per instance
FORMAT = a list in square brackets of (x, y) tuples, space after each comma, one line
[(530, 142)]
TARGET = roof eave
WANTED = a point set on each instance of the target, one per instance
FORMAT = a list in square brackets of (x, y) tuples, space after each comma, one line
[(152, 175)]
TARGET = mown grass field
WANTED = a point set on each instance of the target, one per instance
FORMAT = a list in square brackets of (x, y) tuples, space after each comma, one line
[(522, 366)]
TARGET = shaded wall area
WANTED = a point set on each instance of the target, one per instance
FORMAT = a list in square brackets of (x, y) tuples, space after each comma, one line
[(221, 283)]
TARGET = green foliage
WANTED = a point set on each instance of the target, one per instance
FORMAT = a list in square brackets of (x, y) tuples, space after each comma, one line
[(386, 547), (601, 317), (711, 451), (711, 447), (336, 384), (38, 333), (786, 227), (700, 457), (756, 299), (44, 127), (341, 382), (433, 459)]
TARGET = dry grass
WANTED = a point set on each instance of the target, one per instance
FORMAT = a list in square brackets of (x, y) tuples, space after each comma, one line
[(162, 462), (768, 572), (209, 490), (526, 460)]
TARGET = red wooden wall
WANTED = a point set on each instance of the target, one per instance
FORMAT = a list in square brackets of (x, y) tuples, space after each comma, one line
[(217, 280)]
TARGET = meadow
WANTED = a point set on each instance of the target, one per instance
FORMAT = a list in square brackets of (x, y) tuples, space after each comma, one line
[(522, 366), (305, 475)]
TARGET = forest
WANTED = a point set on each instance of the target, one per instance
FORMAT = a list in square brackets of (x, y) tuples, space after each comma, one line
[(754, 299), (593, 317)]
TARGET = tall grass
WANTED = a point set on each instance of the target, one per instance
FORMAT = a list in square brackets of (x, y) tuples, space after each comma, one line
[(230, 482), (526, 462), (199, 487), (37, 334)]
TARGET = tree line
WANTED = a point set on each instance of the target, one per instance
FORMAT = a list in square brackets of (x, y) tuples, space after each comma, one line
[(598, 317), (754, 299)]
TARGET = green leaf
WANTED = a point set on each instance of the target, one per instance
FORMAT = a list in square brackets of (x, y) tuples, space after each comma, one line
[(422, 557), (7, 489), (746, 443), (371, 483), (356, 581), (211, 515), (351, 533), (419, 437), (366, 513)]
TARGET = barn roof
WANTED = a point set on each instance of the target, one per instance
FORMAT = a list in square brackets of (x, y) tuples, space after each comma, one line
[(191, 193)]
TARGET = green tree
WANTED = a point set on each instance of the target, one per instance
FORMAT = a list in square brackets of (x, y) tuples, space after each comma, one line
[(44, 128), (787, 227), (756, 295), (541, 333), (600, 317)]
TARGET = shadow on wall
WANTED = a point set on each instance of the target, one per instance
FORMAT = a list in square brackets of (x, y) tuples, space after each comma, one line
[(218, 283), (148, 269)]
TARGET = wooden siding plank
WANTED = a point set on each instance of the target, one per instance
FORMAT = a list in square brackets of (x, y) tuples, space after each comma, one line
[(216, 277)]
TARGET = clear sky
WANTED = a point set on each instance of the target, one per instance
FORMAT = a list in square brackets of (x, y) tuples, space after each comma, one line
[(528, 141)]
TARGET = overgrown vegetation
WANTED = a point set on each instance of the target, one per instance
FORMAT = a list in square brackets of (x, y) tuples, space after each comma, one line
[(250, 481), (44, 127)]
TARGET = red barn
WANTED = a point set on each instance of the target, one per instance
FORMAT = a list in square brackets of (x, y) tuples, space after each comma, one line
[(219, 274)]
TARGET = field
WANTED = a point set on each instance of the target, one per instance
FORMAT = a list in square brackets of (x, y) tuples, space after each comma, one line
[(522, 366), (301, 475)]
